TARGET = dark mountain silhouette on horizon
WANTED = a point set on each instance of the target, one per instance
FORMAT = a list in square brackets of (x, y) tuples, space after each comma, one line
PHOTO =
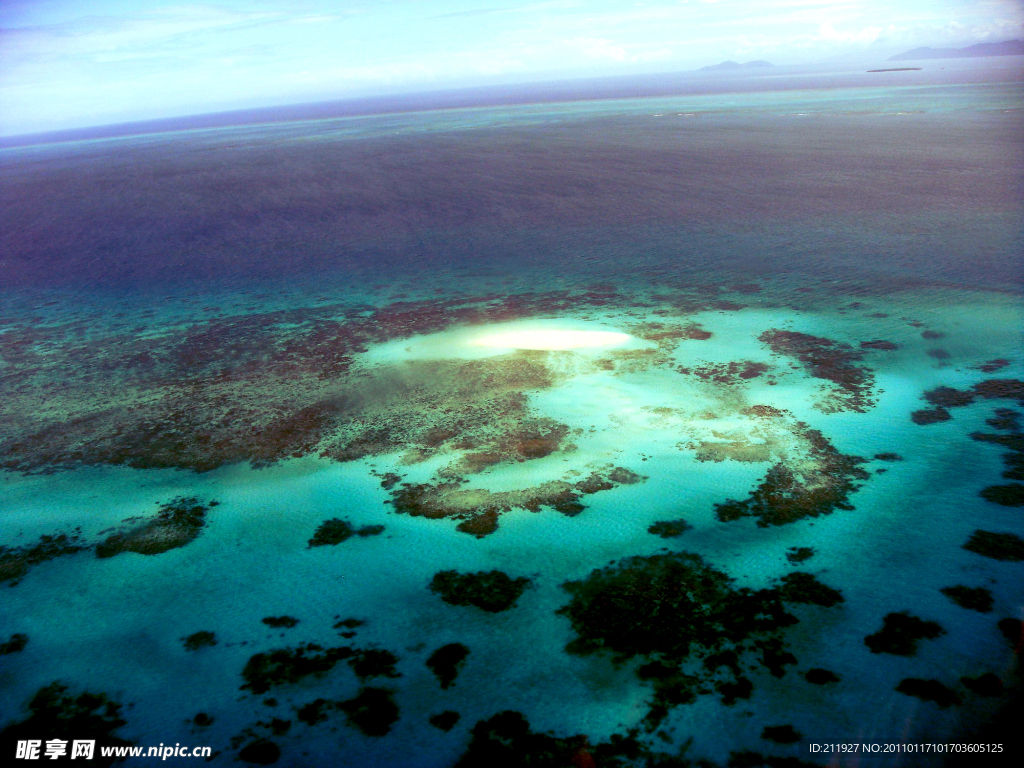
[(1005, 48), (734, 65)]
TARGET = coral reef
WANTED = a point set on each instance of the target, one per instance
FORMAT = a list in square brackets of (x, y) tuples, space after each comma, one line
[(491, 591), (16, 644), (819, 484), (669, 529), (819, 676), (260, 752), (198, 640), (927, 416), (688, 620), (57, 713), (797, 555), (998, 546), (446, 720), (987, 685), (372, 711), (177, 523), (973, 598), (446, 662), (280, 622), (479, 508), (832, 361), (900, 632), (283, 666), (781, 734), (928, 690), (15, 562)]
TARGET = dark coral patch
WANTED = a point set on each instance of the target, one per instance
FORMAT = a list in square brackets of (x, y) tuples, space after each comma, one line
[(16, 644), (888, 456), (373, 711), (988, 685), (664, 604), (1009, 495), (832, 361), (900, 632), (202, 720), (727, 373), (801, 587), (280, 622), (928, 690), (492, 591), (998, 546), (1005, 418), (177, 523), (479, 509), (799, 554), (260, 752), (932, 334), (669, 608), (1006, 389), (1013, 630), (947, 397), (56, 713), (314, 712), (373, 662), (878, 344), (506, 739), (781, 734), (819, 676), (446, 662), (785, 496), (669, 529), (927, 416), (198, 640), (16, 562), (445, 721), (973, 598), (993, 365), (330, 532), (263, 671)]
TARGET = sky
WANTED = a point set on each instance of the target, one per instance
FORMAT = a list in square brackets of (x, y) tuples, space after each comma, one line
[(76, 63)]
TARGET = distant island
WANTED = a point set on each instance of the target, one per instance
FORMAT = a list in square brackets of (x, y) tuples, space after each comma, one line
[(734, 65), (1006, 48), (897, 69)]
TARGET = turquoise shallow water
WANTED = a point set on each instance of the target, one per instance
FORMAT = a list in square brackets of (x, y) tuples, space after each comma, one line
[(300, 345)]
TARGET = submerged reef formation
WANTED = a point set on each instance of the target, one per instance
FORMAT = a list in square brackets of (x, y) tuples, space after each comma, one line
[(446, 662), (373, 711), (16, 644), (508, 739), (479, 508), (728, 374), (197, 640), (669, 529), (176, 524), (973, 598), (998, 546), (928, 690), (263, 387), (336, 530), (832, 361), (15, 562), (58, 713), (491, 591), (688, 622), (814, 484), (900, 632)]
